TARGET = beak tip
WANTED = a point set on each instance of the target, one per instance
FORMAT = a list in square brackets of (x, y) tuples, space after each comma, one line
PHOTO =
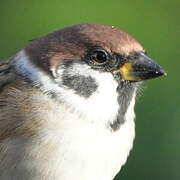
[(165, 74), (161, 72)]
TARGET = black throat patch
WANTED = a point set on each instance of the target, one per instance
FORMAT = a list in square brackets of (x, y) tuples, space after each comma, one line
[(125, 94)]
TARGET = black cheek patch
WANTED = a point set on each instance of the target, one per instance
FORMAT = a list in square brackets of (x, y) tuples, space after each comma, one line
[(84, 86)]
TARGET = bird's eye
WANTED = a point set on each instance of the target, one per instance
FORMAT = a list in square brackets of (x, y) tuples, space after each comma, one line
[(99, 56)]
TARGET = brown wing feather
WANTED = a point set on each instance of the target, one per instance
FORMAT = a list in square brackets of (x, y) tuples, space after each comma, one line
[(6, 74)]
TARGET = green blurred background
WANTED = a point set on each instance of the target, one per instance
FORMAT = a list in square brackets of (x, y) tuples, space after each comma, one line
[(156, 24)]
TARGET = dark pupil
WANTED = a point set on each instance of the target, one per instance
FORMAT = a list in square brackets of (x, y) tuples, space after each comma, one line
[(99, 57)]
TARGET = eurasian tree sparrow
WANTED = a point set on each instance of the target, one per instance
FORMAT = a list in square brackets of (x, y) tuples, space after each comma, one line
[(67, 104)]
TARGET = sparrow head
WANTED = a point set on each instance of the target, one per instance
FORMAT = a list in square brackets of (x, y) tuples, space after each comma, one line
[(88, 61), (101, 47)]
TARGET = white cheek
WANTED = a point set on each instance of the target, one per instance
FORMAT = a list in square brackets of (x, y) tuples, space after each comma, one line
[(102, 104)]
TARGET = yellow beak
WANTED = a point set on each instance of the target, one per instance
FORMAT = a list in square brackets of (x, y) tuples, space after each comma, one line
[(126, 72)]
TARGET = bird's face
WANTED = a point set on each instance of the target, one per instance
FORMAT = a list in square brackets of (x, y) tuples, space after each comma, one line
[(90, 66)]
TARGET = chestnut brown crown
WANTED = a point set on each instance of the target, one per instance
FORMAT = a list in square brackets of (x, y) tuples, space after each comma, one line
[(72, 43)]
